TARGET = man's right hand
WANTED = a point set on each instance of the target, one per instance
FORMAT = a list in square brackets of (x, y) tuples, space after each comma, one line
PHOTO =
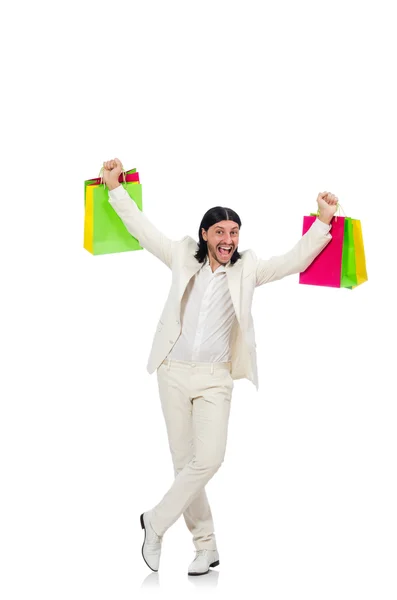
[(111, 173)]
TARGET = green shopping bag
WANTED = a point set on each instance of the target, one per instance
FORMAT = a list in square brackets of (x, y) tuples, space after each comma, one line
[(349, 272), (104, 231)]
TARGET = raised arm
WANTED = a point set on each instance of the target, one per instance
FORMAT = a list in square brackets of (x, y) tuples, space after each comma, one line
[(298, 258), (136, 223), (305, 251)]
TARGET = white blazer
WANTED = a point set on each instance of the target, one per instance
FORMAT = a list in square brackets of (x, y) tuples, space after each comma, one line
[(243, 277)]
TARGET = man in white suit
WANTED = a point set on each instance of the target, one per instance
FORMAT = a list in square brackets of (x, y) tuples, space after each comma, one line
[(204, 340)]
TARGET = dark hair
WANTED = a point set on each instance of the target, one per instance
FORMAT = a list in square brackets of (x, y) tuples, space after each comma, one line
[(212, 216)]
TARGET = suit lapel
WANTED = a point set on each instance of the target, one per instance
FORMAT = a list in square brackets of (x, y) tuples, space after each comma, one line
[(234, 281)]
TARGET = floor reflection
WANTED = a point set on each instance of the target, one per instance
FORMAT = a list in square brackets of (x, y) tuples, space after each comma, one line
[(152, 580), (209, 580)]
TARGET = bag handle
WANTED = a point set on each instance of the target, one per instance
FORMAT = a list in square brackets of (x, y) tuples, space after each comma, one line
[(101, 175)]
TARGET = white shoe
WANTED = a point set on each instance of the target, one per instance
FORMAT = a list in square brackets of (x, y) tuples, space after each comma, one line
[(151, 548), (203, 561)]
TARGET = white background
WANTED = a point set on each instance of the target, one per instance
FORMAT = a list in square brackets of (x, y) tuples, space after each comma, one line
[(257, 106)]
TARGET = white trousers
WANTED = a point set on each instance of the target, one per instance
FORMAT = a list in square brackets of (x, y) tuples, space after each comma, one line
[(195, 399)]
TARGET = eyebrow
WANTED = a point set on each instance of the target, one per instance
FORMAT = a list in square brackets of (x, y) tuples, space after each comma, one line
[(219, 227)]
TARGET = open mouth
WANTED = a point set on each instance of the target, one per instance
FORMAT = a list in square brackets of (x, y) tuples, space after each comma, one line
[(225, 250)]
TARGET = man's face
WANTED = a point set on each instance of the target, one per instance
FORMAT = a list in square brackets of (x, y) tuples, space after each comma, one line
[(224, 233)]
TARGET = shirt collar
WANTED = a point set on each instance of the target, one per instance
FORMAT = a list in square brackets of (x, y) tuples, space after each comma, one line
[(220, 269)]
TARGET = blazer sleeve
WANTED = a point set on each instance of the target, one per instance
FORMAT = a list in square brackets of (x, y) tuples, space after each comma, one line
[(296, 260), (138, 225)]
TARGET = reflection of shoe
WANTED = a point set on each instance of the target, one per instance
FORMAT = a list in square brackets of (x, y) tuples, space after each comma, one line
[(203, 561), (151, 548)]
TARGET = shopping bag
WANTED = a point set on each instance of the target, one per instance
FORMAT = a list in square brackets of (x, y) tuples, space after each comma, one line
[(348, 275), (361, 267), (104, 231), (354, 271), (89, 220), (326, 268)]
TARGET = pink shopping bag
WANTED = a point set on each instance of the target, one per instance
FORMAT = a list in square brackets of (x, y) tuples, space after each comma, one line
[(326, 267)]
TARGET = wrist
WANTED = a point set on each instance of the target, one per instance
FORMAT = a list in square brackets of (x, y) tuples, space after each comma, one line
[(324, 219), (112, 185)]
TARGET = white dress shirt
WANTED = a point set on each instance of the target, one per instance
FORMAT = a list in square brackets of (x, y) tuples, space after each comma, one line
[(207, 316)]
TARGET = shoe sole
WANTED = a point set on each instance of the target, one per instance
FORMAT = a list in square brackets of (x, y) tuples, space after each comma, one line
[(214, 564), (143, 527)]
